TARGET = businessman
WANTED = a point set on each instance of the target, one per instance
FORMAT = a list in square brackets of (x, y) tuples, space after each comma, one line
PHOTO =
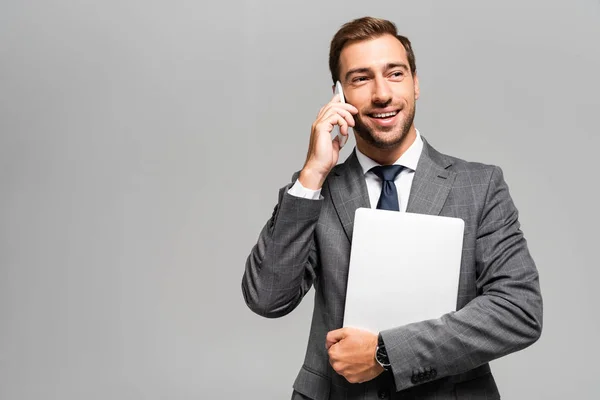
[(307, 240)]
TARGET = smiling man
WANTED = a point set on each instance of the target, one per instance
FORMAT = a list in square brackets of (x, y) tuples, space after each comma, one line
[(307, 241)]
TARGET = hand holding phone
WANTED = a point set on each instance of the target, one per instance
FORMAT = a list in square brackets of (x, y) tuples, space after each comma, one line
[(341, 138), (323, 153)]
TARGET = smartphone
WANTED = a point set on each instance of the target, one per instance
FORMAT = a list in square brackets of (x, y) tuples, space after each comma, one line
[(342, 139)]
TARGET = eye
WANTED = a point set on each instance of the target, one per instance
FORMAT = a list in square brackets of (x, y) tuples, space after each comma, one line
[(360, 79), (397, 74)]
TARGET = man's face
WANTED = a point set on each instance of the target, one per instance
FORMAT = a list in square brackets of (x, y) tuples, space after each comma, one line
[(377, 81)]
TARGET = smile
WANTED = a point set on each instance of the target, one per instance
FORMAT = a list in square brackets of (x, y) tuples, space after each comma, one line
[(384, 115)]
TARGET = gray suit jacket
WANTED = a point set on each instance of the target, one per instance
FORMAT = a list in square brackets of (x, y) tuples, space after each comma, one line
[(307, 242)]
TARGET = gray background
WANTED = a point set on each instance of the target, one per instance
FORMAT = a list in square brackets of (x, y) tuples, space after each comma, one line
[(143, 143)]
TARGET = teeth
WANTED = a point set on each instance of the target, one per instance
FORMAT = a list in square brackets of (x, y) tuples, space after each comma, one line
[(385, 115)]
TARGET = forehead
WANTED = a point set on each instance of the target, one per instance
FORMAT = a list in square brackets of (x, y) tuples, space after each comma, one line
[(374, 53)]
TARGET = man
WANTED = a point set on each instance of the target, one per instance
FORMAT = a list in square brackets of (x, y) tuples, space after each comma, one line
[(307, 241)]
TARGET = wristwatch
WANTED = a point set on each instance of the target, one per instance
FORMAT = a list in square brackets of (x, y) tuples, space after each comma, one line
[(381, 355)]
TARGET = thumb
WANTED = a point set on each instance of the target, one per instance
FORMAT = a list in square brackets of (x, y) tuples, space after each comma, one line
[(334, 336)]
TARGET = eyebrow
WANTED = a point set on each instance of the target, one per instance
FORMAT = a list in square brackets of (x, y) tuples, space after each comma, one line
[(387, 67)]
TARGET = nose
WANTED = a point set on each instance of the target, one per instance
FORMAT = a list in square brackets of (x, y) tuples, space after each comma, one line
[(382, 93)]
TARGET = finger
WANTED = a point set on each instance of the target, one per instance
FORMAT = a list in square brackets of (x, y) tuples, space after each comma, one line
[(344, 110), (344, 114), (330, 120), (336, 101), (331, 352), (336, 144), (343, 124), (329, 114), (334, 336), (336, 366), (349, 107), (343, 106)]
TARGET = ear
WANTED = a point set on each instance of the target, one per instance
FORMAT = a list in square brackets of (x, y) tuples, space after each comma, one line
[(417, 90)]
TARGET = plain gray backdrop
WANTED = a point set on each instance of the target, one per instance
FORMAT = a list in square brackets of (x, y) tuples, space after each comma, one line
[(143, 143)]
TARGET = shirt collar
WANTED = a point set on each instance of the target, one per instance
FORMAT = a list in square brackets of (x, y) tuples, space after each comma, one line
[(409, 159)]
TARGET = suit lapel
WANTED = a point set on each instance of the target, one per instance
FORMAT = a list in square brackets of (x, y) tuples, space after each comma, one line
[(430, 187), (348, 192), (432, 182)]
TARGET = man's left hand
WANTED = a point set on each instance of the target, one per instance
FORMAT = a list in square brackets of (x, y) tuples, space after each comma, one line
[(352, 354)]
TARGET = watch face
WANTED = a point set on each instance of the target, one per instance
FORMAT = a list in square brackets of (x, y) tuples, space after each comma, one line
[(381, 357)]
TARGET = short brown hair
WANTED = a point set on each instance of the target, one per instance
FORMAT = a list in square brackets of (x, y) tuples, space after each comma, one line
[(365, 28)]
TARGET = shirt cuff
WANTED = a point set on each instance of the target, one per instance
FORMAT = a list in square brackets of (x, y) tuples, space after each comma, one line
[(300, 191)]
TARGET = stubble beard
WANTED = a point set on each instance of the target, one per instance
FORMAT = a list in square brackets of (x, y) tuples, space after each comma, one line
[(400, 132)]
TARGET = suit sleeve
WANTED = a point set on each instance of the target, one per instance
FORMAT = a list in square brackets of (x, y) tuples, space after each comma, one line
[(506, 315), (282, 265)]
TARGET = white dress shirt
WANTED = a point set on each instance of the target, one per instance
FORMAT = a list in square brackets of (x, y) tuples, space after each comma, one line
[(403, 181)]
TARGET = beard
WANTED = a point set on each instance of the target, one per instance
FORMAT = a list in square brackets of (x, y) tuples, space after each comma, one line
[(397, 133)]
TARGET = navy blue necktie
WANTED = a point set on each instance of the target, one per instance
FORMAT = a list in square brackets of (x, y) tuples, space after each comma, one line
[(388, 200)]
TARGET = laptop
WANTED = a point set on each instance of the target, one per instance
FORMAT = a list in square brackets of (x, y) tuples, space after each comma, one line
[(404, 268)]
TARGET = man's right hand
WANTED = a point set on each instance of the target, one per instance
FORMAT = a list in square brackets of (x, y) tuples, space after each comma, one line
[(323, 153)]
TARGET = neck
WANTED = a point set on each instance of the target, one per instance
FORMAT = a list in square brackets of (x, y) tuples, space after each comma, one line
[(390, 155)]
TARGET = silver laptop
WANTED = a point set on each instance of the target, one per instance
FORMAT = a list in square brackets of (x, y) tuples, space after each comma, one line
[(404, 268)]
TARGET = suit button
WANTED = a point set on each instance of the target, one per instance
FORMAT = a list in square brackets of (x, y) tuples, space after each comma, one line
[(427, 374), (382, 394)]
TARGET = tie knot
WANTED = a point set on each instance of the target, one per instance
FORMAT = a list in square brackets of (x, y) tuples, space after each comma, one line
[(387, 172)]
